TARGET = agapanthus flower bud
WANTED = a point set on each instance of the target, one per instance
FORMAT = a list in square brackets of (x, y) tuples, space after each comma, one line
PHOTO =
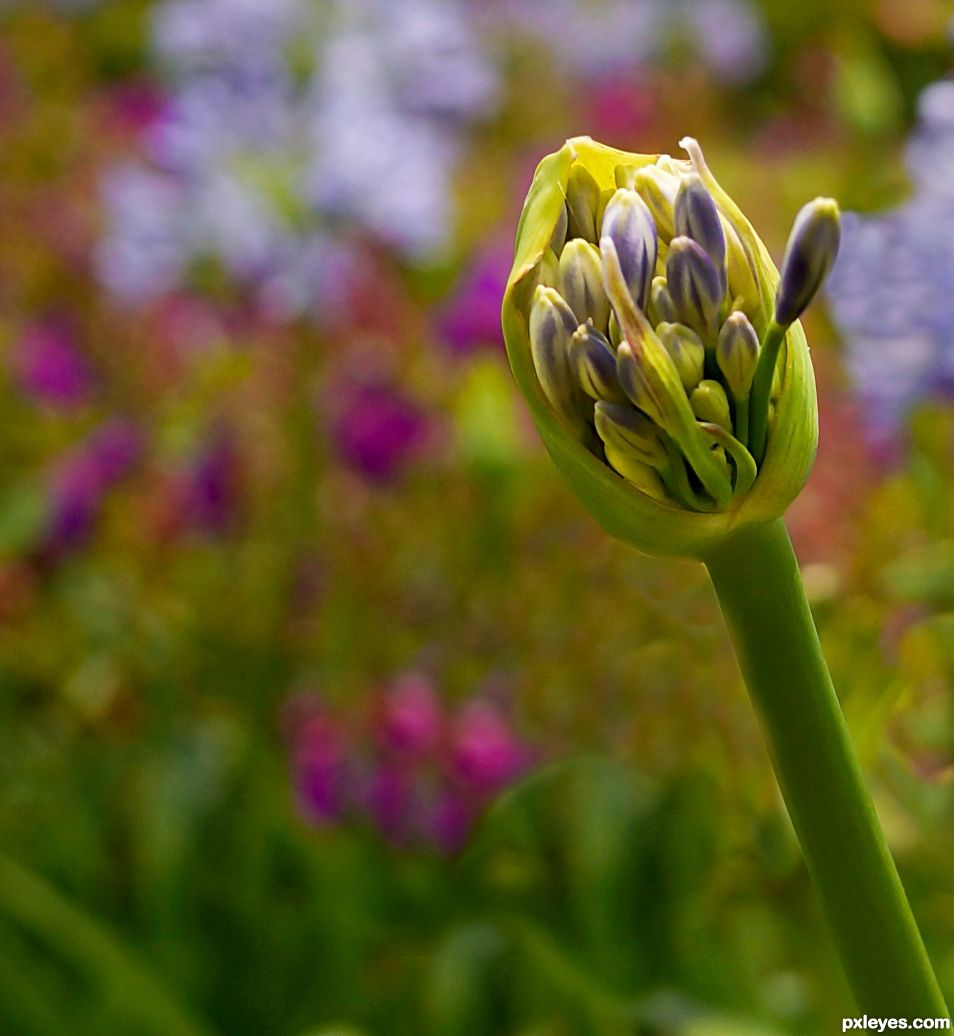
[(738, 354), (629, 225), (593, 362), (661, 307), (581, 282), (552, 324), (694, 285), (673, 470), (809, 255), (697, 217), (687, 352), (710, 403), (659, 189), (582, 203)]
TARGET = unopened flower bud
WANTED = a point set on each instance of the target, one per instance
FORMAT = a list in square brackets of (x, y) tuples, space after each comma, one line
[(626, 429), (687, 352), (661, 307), (643, 476), (629, 225), (743, 279), (593, 362), (694, 284), (697, 217), (809, 255), (582, 203), (552, 324), (710, 403), (549, 274), (558, 240), (615, 335), (581, 282), (737, 354), (659, 190)]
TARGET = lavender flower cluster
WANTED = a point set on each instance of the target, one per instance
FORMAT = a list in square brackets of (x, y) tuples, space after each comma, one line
[(288, 124), (892, 288), (417, 773)]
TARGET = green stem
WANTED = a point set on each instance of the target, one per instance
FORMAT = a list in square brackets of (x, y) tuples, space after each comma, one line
[(761, 393), (742, 420), (756, 577)]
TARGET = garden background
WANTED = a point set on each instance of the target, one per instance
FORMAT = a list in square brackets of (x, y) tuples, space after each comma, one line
[(325, 710)]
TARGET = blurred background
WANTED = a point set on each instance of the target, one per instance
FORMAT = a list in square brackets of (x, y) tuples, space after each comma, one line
[(325, 710)]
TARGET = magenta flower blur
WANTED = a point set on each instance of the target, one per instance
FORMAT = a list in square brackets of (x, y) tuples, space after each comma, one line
[(48, 366), (320, 766), (486, 752), (411, 721), (378, 432), (81, 480), (214, 485), (471, 317)]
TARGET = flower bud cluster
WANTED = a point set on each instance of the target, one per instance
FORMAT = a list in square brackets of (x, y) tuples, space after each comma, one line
[(650, 331), (415, 771)]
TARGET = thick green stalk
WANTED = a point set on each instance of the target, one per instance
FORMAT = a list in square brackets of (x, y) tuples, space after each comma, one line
[(756, 577)]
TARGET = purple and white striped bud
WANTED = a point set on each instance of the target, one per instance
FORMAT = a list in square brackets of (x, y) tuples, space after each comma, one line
[(628, 224), (737, 354), (627, 430), (593, 362), (582, 204), (661, 306), (687, 352), (581, 282), (809, 255), (697, 217), (552, 324), (694, 284), (710, 403)]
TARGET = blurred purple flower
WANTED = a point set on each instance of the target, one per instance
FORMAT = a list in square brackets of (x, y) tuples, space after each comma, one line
[(378, 432), (486, 752), (214, 484), (82, 479), (320, 768), (411, 721), (390, 802), (451, 821), (49, 367), (471, 317), (892, 288)]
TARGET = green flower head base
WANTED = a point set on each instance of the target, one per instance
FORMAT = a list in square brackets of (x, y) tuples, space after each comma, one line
[(659, 349)]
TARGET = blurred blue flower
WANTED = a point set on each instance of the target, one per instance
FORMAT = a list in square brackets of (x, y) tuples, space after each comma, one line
[(892, 288), (287, 126)]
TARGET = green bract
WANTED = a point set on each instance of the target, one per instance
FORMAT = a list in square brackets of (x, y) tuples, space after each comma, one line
[(689, 478)]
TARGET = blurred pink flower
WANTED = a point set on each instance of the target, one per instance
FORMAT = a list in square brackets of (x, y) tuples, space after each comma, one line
[(471, 317), (378, 431), (48, 366), (486, 752), (411, 722), (320, 767)]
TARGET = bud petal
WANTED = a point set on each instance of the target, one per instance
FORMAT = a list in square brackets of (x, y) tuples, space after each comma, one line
[(743, 278), (581, 282), (711, 404), (697, 217), (642, 476), (629, 226), (593, 362), (582, 203), (809, 255), (694, 284), (687, 352), (737, 354), (661, 307), (626, 429), (552, 324), (658, 189)]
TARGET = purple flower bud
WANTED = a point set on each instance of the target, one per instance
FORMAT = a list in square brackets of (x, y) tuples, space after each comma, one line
[(697, 217), (628, 224), (809, 255), (593, 362), (552, 323), (694, 285)]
